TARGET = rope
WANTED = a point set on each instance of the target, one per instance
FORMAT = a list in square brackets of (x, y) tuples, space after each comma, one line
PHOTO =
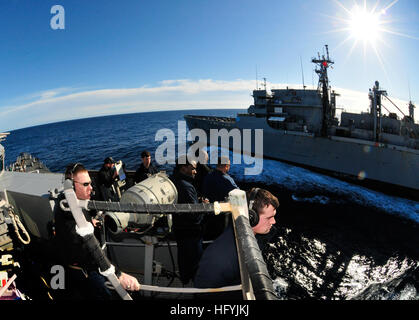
[(190, 290), (184, 290), (8, 283), (18, 224), (46, 284)]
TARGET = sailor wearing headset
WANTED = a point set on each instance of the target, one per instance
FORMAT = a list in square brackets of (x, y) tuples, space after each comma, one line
[(219, 266), (82, 277)]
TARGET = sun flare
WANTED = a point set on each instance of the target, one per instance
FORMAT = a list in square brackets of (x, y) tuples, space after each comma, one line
[(368, 23), (364, 25)]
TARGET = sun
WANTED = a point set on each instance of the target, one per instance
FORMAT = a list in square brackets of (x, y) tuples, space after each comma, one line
[(364, 25), (367, 23)]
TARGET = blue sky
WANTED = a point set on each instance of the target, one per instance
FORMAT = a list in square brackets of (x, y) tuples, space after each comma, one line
[(136, 56)]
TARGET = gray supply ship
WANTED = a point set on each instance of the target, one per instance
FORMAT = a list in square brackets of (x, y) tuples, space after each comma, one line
[(300, 127)]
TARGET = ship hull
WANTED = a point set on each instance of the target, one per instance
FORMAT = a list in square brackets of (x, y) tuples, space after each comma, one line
[(360, 159)]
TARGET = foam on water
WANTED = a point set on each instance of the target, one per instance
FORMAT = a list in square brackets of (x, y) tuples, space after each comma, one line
[(326, 189)]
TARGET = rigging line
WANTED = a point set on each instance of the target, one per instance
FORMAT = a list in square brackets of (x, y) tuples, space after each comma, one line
[(385, 108), (394, 105)]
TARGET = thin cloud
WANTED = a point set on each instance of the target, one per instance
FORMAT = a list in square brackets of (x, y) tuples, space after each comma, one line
[(181, 94)]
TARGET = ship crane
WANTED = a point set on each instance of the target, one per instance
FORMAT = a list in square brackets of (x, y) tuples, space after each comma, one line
[(395, 105), (375, 109), (411, 109)]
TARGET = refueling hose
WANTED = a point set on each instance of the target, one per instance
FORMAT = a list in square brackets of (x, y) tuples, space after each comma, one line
[(86, 231)]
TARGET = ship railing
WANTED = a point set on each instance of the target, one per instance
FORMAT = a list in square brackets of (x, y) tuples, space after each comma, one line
[(227, 119), (255, 280)]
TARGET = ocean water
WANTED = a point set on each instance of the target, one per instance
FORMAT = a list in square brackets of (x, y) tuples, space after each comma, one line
[(332, 239)]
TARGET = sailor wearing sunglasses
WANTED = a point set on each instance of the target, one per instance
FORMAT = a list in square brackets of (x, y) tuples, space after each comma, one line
[(83, 280)]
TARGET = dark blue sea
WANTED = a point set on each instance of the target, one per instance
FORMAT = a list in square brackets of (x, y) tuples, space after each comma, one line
[(332, 240)]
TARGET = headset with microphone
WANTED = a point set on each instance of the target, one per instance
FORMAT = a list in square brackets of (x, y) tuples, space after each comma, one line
[(73, 170), (253, 215), (70, 175)]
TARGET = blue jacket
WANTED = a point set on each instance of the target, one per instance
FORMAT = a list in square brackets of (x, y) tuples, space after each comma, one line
[(219, 265), (191, 221), (217, 185), (143, 172), (105, 176)]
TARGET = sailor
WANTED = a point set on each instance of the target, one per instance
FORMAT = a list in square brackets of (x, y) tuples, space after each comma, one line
[(187, 227), (146, 168), (216, 186), (82, 277), (202, 170), (219, 183), (219, 264), (106, 178)]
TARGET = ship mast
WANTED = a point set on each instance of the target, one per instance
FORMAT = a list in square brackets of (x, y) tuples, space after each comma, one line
[(411, 107), (412, 111), (323, 63), (375, 97)]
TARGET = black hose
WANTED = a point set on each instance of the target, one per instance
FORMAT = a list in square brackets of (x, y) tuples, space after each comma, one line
[(255, 264), (150, 208), (172, 259), (96, 252)]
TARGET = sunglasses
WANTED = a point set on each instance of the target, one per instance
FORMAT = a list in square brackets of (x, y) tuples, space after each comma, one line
[(85, 184)]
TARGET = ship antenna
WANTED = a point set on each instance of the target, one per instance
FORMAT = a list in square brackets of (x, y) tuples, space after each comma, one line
[(327, 51), (408, 86), (302, 72), (257, 77), (312, 78)]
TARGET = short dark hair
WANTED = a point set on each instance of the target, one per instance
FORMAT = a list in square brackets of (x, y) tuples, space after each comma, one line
[(262, 199), (182, 161), (222, 161), (145, 154), (72, 169), (108, 160)]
